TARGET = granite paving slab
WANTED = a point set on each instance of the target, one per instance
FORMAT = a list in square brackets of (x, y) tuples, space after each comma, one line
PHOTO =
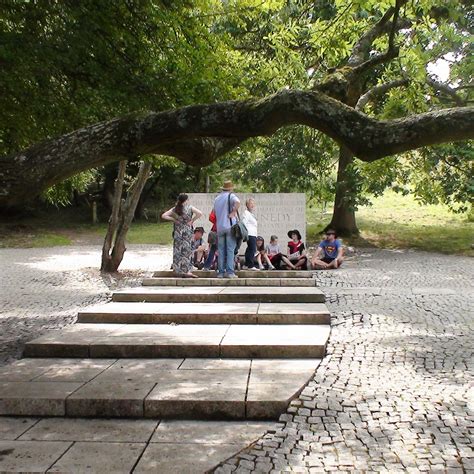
[(184, 458), (109, 399), (219, 294), (30, 456), (244, 274), (265, 400), (247, 341), (35, 398), (12, 427), (206, 313), (248, 281), (90, 429), (197, 400), (209, 432), (216, 364), (99, 457)]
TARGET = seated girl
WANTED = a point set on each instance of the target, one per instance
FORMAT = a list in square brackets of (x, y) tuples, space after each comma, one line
[(296, 250), (261, 257), (275, 255)]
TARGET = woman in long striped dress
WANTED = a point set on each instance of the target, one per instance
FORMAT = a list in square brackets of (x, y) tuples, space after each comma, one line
[(183, 215)]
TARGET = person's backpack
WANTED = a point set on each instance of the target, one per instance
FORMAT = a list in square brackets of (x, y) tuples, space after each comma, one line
[(239, 229)]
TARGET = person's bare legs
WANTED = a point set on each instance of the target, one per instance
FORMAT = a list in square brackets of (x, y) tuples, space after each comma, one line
[(300, 263), (269, 262), (288, 262), (318, 264)]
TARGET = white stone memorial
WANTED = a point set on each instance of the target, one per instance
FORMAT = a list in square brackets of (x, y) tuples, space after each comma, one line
[(276, 213)]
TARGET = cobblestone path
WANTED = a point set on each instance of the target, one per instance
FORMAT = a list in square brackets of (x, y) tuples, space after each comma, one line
[(395, 392), (42, 289)]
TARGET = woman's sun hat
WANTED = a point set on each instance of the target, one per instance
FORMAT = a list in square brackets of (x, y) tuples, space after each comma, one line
[(294, 231)]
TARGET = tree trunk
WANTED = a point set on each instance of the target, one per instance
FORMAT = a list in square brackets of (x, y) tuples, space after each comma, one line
[(146, 193), (111, 260), (108, 191), (343, 218), (114, 219)]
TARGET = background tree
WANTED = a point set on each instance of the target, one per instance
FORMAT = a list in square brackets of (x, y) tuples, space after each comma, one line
[(69, 64), (374, 56), (269, 46)]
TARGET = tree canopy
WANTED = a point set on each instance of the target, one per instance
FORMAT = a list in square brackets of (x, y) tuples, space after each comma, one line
[(357, 72)]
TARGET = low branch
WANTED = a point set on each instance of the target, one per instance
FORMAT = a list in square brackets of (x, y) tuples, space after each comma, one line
[(27, 173), (378, 91)]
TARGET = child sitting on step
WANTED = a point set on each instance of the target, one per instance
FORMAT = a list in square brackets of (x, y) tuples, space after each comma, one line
[(296, 250), (261, 256), (275, 255)]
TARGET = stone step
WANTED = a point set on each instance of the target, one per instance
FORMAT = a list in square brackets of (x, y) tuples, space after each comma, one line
[(206, 313), (158, 388), (245, 274), (189, 340), (95, 445), (219, 294), (169, 281)]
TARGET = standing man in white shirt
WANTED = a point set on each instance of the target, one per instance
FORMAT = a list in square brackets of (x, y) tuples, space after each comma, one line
[(226, 206), (250, 221)]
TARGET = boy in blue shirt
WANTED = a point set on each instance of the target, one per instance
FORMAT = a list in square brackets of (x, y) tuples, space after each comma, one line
[(329, 252)]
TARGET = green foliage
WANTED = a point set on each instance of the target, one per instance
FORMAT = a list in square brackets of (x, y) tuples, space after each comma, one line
[(69, 64), (295, 159), (61, 194)]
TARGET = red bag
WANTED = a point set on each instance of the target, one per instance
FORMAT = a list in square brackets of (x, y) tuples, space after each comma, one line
[(213, 219)]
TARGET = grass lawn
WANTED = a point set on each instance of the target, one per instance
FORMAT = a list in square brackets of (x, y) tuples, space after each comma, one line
[(145, 233), (393, 221), (396, 221)]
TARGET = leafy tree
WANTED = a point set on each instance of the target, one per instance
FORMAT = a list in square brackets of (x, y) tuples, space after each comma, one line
[(370, 55), (69, 64), (338, 53)]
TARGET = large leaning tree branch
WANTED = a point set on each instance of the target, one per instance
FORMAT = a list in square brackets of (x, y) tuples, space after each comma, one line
[(26, 174)]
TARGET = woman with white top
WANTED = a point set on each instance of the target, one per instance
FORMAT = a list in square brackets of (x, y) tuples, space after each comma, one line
[(250, 222)]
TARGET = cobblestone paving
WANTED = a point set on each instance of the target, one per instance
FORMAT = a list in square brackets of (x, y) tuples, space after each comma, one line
[(396, 390), (42, 289), (394, 394)]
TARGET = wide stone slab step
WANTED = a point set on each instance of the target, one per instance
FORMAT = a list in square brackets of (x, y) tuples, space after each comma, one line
[(206, 313), (189, 340), (98, 445), (219, 294), (168, 281), (163, 388), (244, 274)]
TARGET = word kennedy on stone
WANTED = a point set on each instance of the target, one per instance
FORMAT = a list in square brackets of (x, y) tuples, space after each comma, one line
[(276, 213)]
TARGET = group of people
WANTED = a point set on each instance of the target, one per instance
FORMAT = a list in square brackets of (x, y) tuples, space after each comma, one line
[(221, 250)]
